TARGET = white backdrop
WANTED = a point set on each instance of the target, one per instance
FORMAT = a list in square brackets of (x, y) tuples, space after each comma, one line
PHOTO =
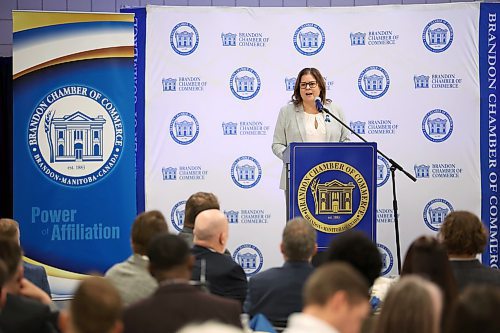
[(190, 72)]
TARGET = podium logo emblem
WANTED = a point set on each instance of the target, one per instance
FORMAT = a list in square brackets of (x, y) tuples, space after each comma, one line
[(387, 259), (177, 215), (373, 82), (184, 128), (245, 83), (437, 35), (333, 196), (435, 211), (250, 258), (437, 125), (309, 39), (184, 38), (75, 136)]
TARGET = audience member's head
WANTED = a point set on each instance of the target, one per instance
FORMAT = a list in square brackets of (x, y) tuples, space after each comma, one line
[(463, 234), (476, 311), (3, 281), (299, 240), (197, 203), (146, 226), (338, 295), (210, 327), (169, 258), (9, 229), (427, 258), (211, 230), (412, 305), (96, 307), (11, 255), (356, 249)]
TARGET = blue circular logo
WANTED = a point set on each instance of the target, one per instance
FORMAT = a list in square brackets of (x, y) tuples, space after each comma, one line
[(309, 39), (184, 128), (250, 258), (177, 215), (435, 211), (437, 35), (246, 172), (184, 38), (382, 171), (373, 82), (72, 135), (387, 258), (437, 125), (245, 83)]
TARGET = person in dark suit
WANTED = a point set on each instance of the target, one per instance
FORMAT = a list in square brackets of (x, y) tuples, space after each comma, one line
[(224, 276), (34, 273), (464, 236), (176, 302), (19, 313), (277, 292)]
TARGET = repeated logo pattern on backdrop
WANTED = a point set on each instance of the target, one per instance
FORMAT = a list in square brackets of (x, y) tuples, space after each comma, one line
[(215, 91)]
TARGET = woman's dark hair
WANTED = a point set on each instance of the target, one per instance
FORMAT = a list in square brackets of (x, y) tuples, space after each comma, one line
[(296, 98)]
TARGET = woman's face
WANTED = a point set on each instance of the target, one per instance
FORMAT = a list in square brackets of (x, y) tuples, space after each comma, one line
[(309, 88)]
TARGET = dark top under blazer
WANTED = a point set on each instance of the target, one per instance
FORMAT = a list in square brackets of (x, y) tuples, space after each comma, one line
[(277, 292), (225, 277), (469, 272), (174, 305)]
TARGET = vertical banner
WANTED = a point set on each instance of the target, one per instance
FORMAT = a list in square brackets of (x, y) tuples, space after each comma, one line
[(74, 178), (489, 67)]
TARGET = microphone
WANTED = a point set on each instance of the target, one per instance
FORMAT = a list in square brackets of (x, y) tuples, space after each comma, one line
[(319, 105)]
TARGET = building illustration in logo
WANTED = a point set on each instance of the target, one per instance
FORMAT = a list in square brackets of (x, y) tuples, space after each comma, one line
[(435, 211), (169, 84), (246, 172), (230, 128), (184, 38), (382, 171), (184, 128), (358, 126), (228, 39), (421, 81), (78, 138), (290, 83), (232, 216), (357, 38), (245, 84), (437, 125), (332, 197), (373, 82), (249, 257), (437, 35), (422, 171), (309, 39), (169, 173)]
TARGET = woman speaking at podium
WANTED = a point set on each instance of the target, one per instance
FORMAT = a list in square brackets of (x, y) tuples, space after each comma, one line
[(301, 121)]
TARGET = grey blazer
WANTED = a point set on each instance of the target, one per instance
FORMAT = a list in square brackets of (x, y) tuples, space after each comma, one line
[(290, 128)]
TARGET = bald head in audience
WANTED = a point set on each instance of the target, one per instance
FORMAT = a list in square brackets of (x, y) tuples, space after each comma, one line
[(211, 230)]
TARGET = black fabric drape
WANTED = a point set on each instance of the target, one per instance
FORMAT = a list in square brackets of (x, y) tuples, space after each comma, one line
[(6, 121)]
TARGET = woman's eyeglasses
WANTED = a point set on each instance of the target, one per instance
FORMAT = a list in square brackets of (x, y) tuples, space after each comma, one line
[(312, 84)]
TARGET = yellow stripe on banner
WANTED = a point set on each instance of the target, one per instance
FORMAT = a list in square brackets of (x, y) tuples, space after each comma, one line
[(112, 52), (52, 271), (25, 20)]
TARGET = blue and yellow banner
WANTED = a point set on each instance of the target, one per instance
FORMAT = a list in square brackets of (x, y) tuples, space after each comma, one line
[(74, 176)]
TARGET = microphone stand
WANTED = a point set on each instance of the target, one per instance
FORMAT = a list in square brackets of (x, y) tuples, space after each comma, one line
[(394, 166)]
